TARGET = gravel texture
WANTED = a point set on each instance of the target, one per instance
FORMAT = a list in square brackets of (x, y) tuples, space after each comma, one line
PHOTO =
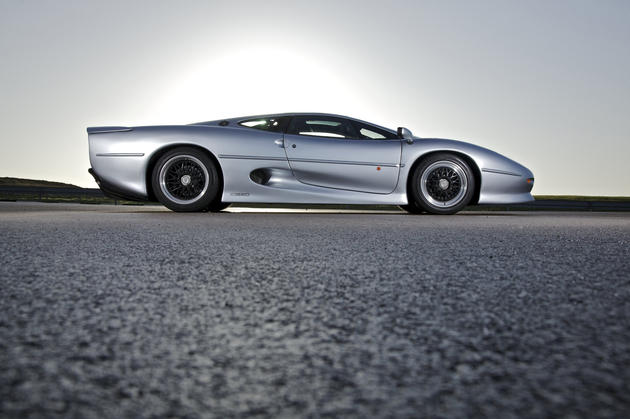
[(139, 312)]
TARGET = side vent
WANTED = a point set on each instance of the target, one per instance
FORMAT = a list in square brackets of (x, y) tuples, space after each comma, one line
[(260, 176)]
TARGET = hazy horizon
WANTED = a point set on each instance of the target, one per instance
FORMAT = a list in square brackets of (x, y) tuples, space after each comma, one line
[(544, 83)]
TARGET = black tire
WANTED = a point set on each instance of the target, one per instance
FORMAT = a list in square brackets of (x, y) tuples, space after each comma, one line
[(412, 208), (185, 179), (442, 183), (218, 206)]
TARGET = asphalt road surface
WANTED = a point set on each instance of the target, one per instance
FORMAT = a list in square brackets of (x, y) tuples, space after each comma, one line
[(139, 312)]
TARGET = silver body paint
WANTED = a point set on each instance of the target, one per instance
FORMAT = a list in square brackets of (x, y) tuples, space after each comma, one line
[(295, 168)]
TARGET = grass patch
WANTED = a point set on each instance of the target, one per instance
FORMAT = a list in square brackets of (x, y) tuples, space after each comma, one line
[(66, 199), (582, 198)]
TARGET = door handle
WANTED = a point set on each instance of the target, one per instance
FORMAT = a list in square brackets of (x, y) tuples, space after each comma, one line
[(279, 143)]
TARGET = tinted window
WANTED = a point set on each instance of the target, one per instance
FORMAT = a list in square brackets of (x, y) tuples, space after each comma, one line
[(273, 124), (370, 132), (322, 126)]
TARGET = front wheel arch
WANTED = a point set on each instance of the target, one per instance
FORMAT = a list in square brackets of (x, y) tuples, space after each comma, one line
[(160, 152), (465, 157)]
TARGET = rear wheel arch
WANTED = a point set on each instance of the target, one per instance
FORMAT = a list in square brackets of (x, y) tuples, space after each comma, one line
[(473, 166), (160, 152)]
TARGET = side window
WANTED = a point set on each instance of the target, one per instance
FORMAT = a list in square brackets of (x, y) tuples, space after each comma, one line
[(322, 126), (272, 124), (370, 132)]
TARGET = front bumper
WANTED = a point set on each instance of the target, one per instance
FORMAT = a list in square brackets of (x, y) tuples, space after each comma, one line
[(506, 188)]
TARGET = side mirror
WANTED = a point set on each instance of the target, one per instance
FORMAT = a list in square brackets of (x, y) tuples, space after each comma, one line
[(405, 134)]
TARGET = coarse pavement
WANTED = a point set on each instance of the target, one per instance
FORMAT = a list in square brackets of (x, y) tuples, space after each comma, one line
[(116, 311)]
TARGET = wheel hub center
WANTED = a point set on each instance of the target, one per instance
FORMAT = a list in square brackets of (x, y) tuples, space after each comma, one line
[(185, 180), (443, 184)]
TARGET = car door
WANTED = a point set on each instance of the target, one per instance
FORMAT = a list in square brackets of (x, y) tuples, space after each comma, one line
[(339, 153)]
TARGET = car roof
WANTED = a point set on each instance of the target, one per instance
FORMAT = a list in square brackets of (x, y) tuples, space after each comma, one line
[(245, 118)]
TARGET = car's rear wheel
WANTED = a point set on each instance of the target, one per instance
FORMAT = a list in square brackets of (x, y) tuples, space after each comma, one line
[(185, 179), (442, 183)]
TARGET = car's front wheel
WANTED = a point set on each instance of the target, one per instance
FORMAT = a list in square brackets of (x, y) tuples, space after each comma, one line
[(185, 179), (218, 206), (442, 183)]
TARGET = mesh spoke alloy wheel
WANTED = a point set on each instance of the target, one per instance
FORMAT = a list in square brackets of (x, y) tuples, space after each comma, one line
[(444, 184), (184, 179)]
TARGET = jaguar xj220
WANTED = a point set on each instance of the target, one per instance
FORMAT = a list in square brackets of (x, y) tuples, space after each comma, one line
[(305, 158)]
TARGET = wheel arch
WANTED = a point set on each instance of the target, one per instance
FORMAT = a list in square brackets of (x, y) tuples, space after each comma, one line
[(471, 162), (163, 150)]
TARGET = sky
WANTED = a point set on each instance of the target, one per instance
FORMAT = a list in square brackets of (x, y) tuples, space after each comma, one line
[(546, 83)]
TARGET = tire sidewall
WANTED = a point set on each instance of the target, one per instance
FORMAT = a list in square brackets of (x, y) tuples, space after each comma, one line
[(218, 206), (209, 195), (419, 199), (412, 208)]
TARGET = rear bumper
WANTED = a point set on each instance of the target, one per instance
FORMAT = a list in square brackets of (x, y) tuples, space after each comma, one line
[(114, 192)]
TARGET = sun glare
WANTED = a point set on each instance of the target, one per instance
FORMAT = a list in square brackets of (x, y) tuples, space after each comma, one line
[(256, 80)]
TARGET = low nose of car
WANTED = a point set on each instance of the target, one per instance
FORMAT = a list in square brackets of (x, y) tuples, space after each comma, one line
[(528, 176)]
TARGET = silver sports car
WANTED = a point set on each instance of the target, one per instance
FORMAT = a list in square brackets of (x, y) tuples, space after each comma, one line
[(306, 158)]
